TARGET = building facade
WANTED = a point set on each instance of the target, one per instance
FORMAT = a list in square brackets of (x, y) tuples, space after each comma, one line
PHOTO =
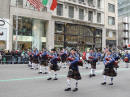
[(74, 23)]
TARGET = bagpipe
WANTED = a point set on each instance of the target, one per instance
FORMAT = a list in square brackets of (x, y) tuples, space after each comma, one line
[(80, 62), (115, 63), (126, 59), (91, 58), (51, 57)]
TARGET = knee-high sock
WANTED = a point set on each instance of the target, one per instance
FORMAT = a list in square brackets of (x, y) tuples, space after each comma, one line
[(33, 65), (105, 78), (49, 74), (111, 79), (45, 69), (126, 65), (76, 84), (40, 68), (55, 74), (92, 71), (68, 83)]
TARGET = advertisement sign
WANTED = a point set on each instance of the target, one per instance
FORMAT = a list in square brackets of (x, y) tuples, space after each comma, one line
[(3, 34)]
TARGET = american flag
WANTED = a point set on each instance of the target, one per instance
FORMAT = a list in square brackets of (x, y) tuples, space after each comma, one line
[(36, 3)]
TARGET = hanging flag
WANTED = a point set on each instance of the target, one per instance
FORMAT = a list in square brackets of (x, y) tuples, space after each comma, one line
[(36, 3), (44, 2), (51, 4)]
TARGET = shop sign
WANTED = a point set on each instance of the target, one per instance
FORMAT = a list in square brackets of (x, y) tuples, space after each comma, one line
[(3, 34)]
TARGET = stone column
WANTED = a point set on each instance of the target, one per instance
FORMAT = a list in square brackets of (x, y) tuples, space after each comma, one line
[(37, 31), (103, 38), (50, 34)]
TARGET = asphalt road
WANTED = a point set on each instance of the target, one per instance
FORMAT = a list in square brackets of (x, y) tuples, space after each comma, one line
[(19, 81)]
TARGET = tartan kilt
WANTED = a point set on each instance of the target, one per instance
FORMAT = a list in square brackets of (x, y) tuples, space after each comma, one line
[(93, 64), (44, 63), (63, 60), (74, 74), (110, 72), (35, 61), (54, 67)]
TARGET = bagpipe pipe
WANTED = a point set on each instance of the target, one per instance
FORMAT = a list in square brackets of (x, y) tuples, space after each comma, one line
[(115, 62), (51, 57), (79, 63)]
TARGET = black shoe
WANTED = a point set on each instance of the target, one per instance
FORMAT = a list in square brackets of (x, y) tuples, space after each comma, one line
[(55, 79), (104, 83), (93, 75), (49, 79), (110, 84), (45, 73), (67, 89), (75, 89), (90, 75), (86, 67), (39, 72)]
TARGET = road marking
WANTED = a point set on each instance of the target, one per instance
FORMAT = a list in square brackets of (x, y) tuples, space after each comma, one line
[(59, 76)]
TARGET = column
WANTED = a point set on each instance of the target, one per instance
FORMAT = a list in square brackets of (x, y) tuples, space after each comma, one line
[(103, 38), (50, 34), (37, 30)]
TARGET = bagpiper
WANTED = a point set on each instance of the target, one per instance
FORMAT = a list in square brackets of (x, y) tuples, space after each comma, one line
[(127, 58), (109, 70), (92, 60), (54, 66), (43, 62), (73, 72)]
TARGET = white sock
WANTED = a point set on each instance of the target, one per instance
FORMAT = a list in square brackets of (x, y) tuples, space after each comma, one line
[(76, 84), (91, 71), (105, 78), (49, 74), (40, 68), (55, 74), (68, 83), (111, 79)]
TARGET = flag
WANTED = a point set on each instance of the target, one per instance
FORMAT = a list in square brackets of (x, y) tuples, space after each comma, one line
[(52, 4), (36, 3)]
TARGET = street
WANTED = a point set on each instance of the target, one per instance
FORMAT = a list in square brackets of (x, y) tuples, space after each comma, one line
[(19, 81)]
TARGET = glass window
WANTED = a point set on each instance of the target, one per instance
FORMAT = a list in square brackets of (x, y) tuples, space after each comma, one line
[(59, 37), (90, 16), (60, 9), (19, 3), (71, 12), (81, 14), (98, 17), (111, 20), (90, 2), (81, 0), (99, 3), (111, 7)]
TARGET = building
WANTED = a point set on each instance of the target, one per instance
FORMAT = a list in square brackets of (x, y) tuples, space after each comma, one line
[(124, 8), (75, 23), (124, 22), (111, 23)]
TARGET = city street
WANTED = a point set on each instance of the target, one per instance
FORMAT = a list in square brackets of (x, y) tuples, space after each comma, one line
[(19, 81)]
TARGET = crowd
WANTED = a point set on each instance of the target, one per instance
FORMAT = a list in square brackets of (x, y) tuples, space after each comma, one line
[(14, 57)]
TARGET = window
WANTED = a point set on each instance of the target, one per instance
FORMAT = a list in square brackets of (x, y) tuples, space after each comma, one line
[(71, 12), (99, 3), (19, 3), (90, 2), (111, 7), (81, 14), (60, 9), (111, 20), (90, 16), (81, 0), (98, 17)]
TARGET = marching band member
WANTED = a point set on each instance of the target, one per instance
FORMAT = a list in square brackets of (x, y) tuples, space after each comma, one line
[(73, 70), (54, 66), (92, 59), (63, 56), (126, 59), (43, 62), (109, 63)]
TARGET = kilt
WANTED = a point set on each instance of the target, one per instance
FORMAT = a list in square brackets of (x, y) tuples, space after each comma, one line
[(44, 63), (74, 74), (110, 72), (54, 67), (63, 60), (35, 61), (93, 64)]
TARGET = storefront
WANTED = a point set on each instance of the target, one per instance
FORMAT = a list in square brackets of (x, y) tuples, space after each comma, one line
[(4, 29), (79, 36), (31, 33)]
